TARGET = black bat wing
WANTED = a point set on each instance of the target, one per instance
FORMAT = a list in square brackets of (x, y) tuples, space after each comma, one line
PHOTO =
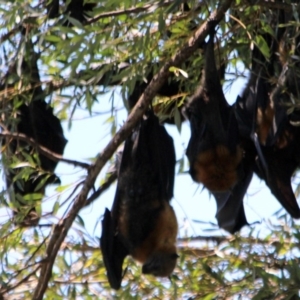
[(154, 158), (282, 164), (47, 131), (162, 158), (230, 208), (113, 251), (278, 160)]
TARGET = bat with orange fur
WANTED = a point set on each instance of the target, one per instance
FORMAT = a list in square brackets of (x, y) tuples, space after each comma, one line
[(213, 150), (263, 119), (142, 223)]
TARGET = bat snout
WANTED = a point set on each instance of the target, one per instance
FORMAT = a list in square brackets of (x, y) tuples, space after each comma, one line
[(160, 264)]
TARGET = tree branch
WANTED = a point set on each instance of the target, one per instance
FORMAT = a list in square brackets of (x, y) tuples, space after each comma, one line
[(61, 229), (132, 10), (43, 150), (105, 185)]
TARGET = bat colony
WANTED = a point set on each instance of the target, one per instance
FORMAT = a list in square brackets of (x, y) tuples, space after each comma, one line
[(228, 144)]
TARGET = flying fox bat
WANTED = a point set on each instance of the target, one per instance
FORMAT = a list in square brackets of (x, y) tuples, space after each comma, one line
[(281, 158), (213, 150), (263, 119), (142, 223), (36, 120)]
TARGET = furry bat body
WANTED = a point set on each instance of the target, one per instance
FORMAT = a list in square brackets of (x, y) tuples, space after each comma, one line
[(213, 150), (35, 119), (142, 223), (263, 119)]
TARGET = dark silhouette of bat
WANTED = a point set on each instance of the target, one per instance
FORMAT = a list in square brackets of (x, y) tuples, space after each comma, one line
[(230, 207), (76, 9), (142, 223), (255, 112), (213, 150), (36, 120), (282, 157), (263, 119)]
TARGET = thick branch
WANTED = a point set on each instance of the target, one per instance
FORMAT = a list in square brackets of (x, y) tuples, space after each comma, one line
[(61, 229)]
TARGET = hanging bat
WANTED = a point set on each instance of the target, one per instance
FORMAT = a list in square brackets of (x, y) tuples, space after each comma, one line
[(213, 150), (36, 120), (281, 159), (263, 119), (142, 223)]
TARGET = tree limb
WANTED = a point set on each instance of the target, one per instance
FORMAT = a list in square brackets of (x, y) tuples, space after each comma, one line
[(61, 229)]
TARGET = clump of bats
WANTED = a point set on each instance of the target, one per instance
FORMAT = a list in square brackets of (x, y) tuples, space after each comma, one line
[(227, 145)]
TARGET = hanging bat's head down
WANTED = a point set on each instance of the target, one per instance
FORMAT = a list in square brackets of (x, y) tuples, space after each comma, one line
[(160, 264), (157, 253), (34, 118), (264, 122), (142, 222), (213, 150)]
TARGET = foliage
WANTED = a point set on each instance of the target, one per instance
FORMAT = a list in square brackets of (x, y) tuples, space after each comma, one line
[(123, 44)]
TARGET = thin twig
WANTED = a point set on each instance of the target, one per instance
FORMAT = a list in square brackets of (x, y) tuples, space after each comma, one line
[(25, 279), (112, 177), (43, 150), (132, 10)]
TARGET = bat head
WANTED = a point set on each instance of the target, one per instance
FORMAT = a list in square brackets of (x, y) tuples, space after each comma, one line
[(160, 264)]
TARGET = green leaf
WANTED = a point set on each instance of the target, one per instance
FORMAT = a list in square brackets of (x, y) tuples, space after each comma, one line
[(55, 207), (262, 45)]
